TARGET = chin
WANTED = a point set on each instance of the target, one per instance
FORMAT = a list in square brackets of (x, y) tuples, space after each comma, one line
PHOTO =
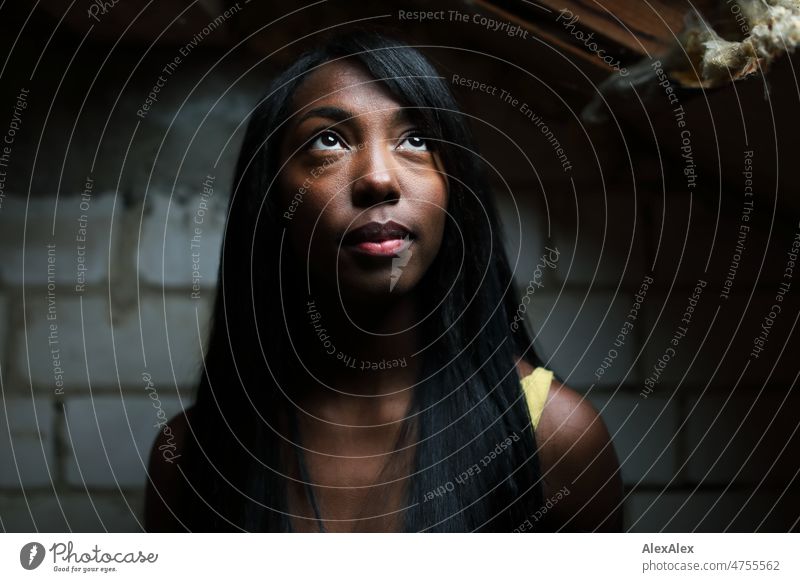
[(383, 286)]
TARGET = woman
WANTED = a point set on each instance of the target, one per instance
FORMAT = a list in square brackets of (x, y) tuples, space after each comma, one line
[(362, 373)]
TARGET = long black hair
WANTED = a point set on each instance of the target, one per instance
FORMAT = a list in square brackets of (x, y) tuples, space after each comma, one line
[(475, 466)]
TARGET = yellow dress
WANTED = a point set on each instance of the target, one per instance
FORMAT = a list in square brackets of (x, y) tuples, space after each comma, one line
[(536, 385)]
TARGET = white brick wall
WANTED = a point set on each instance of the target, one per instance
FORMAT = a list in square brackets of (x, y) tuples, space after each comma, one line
[(34, 220), (523, 228), (686, 232), (168, 227), (108, 438), (72, 511), (577, 330), (27, 442), (711, 511), (645, 436), (750, 437), (709, 356), (4, 328), (601, 238), (157, 335)]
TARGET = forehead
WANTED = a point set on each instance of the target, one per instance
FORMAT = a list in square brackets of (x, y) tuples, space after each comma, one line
[(344, 84)]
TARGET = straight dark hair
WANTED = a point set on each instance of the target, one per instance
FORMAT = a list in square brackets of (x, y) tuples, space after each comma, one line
[(470, 400)]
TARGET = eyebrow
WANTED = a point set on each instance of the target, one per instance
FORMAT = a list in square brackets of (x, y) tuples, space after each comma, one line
[(334, 113), (340, 115)]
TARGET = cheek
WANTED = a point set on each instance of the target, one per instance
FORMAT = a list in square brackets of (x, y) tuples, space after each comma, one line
[(309, 198), (433, 205), (312, 232), (429, 201)]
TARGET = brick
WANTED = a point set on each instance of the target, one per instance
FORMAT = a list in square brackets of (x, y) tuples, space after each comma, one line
[(601, 239), (27, 458), (165, 245), (109, 439), (642, 432), (522, 228), (35, 220), (77, 512), (687, 231), (726, 348), (704, 511), (119, 359), (578, 337), (750, 439), (5, 328)]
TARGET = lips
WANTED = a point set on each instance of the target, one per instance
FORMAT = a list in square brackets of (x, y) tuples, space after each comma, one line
[(379, 239)]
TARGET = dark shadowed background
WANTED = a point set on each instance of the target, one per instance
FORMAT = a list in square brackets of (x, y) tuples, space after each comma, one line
[(668, 195)]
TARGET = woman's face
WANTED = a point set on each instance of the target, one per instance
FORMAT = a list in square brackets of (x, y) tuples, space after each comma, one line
[(364, 195)]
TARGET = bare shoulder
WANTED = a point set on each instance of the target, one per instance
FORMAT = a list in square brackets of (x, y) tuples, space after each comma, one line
[(578, 463), (523, 368), (163, 492)]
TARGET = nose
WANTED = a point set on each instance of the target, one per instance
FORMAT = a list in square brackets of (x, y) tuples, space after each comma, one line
[(375, 179)]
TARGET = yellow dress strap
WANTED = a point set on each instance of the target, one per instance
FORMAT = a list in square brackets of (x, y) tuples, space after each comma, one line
[(536, 385)]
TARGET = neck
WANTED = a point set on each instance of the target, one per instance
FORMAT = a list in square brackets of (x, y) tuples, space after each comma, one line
[(359, 349)]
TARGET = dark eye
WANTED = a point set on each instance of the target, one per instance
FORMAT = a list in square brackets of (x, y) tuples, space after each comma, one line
[(413, 143), (327, 140)]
